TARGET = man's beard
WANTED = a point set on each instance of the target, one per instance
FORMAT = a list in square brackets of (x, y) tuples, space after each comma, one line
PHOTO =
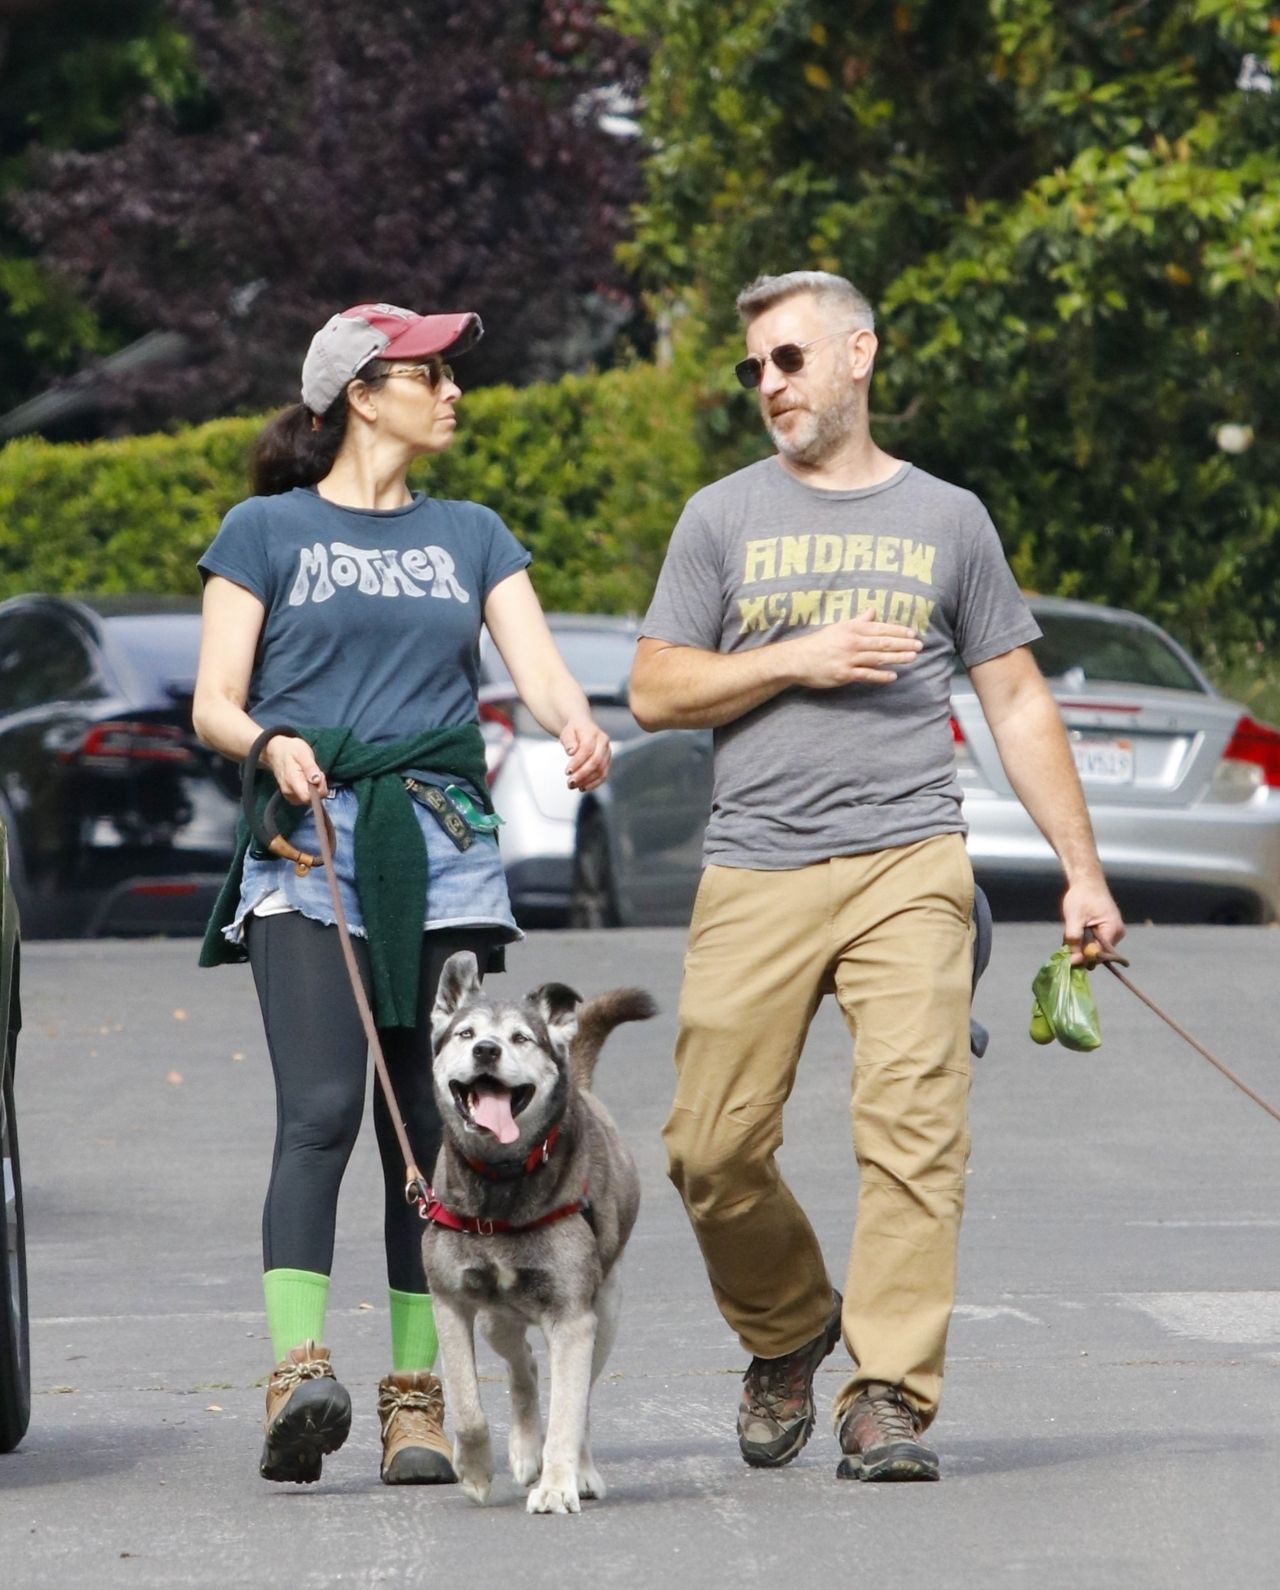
[(818, 433)]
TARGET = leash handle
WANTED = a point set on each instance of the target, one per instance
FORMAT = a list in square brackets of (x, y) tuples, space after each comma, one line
[(1097, 952), (266, 829)]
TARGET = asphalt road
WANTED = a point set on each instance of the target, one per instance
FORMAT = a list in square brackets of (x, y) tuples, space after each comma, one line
[(1112, 1415)]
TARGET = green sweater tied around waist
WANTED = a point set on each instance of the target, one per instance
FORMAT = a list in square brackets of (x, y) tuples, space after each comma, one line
[(390, 852)]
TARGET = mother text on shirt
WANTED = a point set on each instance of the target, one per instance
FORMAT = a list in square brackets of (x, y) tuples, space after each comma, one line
[(419, 571)]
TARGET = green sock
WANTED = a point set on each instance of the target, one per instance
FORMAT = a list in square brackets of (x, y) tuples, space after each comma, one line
[(295, 1307), (413, 1330)]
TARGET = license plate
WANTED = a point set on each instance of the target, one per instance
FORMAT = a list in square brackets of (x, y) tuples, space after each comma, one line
[(1104, 761)]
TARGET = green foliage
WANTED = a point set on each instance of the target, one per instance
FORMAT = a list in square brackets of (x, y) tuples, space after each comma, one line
[(1068, 214), (590, 473), (72, 74)]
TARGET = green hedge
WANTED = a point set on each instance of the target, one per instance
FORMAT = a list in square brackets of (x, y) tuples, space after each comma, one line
[(590, 472)]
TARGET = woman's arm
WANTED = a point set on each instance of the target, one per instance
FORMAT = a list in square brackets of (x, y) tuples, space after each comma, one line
[(232, 622), (544, 684)]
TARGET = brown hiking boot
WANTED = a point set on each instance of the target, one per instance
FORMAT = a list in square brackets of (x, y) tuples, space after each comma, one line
[(308, 1414), (880, 1437), (775, 1415), (414, 1448)]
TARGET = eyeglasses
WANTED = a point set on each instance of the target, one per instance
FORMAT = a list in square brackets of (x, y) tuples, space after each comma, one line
[(788, 357), (433, 371)]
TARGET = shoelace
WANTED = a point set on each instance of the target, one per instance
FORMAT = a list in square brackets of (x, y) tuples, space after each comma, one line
[(768, 1388), (294, 1374), (429, 1404), (893, 1417)]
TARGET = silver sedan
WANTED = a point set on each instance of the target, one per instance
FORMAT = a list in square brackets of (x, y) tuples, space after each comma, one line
[(1183, 788)]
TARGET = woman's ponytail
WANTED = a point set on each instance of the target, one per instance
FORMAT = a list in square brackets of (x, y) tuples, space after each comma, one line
[(297, 447), (291, 450)]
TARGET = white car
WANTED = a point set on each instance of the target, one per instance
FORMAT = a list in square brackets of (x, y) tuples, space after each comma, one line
[(526, 765)]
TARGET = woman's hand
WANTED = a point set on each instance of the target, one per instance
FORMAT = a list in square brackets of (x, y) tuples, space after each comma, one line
[(296, 770), (589, 753)]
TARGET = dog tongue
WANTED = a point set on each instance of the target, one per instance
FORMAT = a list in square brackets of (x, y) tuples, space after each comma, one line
[(492, 1111)]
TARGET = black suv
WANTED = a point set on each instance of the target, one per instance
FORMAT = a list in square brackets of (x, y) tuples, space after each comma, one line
[(119, 821)]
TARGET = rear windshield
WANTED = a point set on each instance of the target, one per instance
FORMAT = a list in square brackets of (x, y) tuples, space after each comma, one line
[(1091, 649), (162, 646)]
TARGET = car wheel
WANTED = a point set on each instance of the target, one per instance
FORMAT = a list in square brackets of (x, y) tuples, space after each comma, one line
[(15, 1335), (594, 901)]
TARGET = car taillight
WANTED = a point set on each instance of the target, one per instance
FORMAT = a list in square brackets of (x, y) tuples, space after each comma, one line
[(120, 745), (498, 729), (1250, 761), (966, 769)]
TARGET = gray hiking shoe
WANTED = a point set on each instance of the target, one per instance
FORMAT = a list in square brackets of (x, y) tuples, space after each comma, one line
[(775, 1415), (880, 1437)]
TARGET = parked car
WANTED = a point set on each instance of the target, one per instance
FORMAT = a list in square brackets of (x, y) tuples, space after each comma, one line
[(1183, 789), (526, 764), (118, 820), (15, 1343)]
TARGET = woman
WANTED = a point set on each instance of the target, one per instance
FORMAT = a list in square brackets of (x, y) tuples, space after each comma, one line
[(341, 603)]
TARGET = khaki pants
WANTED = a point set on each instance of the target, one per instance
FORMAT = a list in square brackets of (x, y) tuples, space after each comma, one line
[(891, 934)]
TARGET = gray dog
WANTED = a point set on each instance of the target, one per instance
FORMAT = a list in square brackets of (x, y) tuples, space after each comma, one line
[(535, 1196)]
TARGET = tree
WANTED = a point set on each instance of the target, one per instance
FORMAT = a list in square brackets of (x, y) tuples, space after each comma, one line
[(1067, 213), (446, 156), (69, 72)]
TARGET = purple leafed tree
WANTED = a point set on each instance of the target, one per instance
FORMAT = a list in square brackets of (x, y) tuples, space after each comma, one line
[(443, 155)]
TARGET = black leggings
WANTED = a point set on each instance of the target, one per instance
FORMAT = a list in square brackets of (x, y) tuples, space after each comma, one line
[(319, 1054)]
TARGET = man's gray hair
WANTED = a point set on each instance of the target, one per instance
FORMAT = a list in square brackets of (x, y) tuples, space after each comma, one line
[(834, 291)]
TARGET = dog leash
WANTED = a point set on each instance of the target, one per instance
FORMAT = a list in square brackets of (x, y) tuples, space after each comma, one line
[(416, 1190), (1097, 952)]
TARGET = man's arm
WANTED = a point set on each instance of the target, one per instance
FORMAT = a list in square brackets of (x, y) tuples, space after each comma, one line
[(1033, 747), (685, 687)]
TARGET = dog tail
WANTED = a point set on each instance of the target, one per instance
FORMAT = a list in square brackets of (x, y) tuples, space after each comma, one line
[(596, 1020)]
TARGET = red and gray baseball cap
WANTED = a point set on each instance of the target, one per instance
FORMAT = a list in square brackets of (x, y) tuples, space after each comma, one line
[(346, 342)]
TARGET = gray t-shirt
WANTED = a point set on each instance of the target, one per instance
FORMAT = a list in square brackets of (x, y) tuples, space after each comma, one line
[(373, 615), (760, 557)]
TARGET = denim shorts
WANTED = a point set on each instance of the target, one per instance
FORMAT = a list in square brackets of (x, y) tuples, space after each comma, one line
[(465, 888)]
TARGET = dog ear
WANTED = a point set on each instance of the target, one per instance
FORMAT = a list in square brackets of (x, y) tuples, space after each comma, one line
[(557, 1004), (459, 983)]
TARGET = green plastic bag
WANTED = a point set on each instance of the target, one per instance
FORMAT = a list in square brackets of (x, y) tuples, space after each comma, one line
[(1063, 1007)]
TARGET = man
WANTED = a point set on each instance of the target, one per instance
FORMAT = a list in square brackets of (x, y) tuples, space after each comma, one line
[(809, 610)]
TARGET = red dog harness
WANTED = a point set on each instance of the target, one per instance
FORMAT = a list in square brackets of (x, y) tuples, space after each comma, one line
[(430, 1207)]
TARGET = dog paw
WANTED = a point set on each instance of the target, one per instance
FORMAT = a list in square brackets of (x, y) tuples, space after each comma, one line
[(475, 1486), (526, 1459), (473, 1464), (554, 1499), (591, 1488)]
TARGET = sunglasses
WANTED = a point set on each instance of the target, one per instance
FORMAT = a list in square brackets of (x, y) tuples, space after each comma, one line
[(433, 371), (788, 357)]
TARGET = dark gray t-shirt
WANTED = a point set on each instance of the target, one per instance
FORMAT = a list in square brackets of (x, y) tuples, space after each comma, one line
[(760, 557), (373, 616)]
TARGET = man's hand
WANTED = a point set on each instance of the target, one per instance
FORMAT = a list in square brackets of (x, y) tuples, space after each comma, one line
[(1088, 904), (855, 651), (589, 753)]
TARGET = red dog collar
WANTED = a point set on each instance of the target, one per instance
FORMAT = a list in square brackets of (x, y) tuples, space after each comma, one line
[(536, 1160)]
